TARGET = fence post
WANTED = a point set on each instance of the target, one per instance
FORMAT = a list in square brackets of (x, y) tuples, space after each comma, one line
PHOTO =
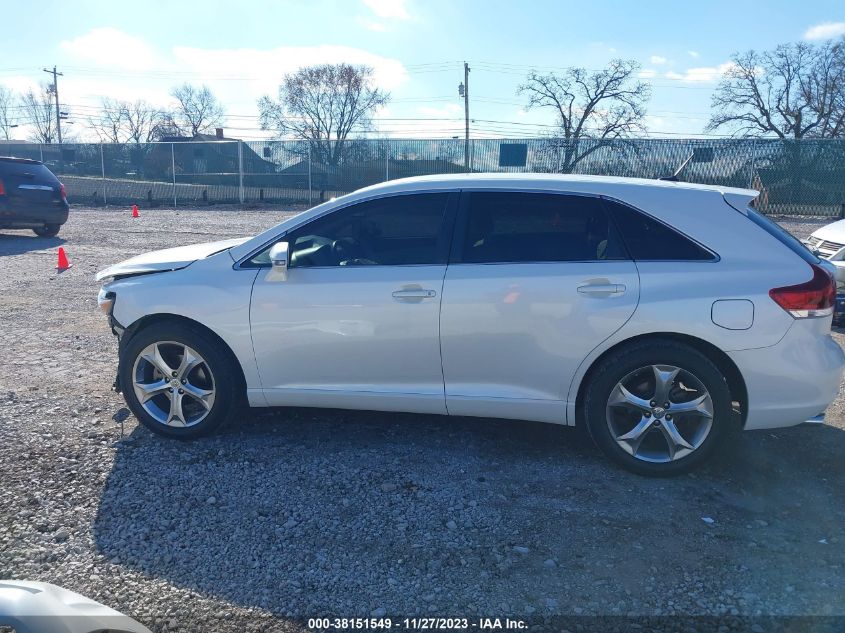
[(753, 160), (103, 171), (387, 161), (173, 167), (41, 151), (309, 177), (241, 169)]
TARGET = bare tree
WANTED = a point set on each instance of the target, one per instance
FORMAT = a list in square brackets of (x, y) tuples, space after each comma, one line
[(40, 109), (323, 105), (795, 91), (197, 109), (141, 121), (7, 102), (593, 109), (165, 125), (110, 124)]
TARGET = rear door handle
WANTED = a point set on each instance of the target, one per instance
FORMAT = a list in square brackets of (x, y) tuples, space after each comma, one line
[(602, 290), (414, 293)]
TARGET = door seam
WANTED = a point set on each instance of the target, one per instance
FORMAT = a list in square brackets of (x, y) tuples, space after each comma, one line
[(440, 338)]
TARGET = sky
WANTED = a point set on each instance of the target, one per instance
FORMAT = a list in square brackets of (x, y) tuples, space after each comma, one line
[(241, 50)]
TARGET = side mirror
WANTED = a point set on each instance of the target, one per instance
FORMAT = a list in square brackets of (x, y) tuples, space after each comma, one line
[(279, 261)]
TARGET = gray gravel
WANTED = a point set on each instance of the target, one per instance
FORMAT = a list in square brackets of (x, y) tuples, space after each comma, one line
[(296, 513)]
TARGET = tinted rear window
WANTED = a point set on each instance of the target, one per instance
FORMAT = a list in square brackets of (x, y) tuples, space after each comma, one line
[(36, 172), (782, 235), (649, 239), (537, 227)]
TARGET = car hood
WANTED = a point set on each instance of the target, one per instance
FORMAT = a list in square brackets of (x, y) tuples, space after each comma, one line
[(834, 232), (167, 259)]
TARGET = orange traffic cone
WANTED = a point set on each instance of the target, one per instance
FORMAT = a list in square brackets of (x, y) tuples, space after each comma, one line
[(63, 264), (135, 213)]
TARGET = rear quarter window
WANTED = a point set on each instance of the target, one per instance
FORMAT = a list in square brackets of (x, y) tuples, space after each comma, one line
[(648, 239)]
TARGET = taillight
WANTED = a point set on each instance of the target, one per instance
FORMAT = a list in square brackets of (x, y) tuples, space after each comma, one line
[(2, 188), (814, 298), (62, 191)]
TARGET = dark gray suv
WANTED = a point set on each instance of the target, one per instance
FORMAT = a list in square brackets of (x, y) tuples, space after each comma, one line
[(31, 197)]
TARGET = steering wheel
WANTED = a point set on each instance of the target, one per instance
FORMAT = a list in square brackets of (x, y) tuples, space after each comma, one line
[(347, 251), (346, 248)]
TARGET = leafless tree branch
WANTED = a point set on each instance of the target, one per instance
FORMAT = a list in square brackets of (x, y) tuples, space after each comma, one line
[(197, 110), (592, 109), (794, 91), (40, 111), (323, 105)]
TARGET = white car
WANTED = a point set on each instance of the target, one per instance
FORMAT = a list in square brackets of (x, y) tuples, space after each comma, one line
[(656, 314), (829, 243)]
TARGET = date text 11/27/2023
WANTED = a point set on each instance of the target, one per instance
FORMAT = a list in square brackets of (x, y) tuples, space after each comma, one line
[(416, 624)]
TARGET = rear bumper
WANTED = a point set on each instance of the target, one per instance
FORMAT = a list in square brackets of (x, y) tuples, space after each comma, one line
[(795, 380), (29, 217)]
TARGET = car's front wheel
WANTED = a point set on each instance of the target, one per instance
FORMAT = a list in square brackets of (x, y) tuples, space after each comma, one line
[(48, 230), (177, 380), (657, 407)]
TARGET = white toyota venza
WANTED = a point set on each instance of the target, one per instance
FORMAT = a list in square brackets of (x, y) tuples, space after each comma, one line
[(655, 314)]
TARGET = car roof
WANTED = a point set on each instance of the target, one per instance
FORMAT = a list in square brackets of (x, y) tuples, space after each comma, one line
[(543, 181), (626, 189), (15, 159)]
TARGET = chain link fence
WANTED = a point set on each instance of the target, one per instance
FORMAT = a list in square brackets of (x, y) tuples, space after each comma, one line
[(794, 177)]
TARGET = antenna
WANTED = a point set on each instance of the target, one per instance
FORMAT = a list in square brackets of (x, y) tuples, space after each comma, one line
[(674, 177)]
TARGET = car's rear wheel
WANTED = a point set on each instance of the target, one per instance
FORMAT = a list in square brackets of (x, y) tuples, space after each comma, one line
[(48, 230), (657, 407), (177, 380)]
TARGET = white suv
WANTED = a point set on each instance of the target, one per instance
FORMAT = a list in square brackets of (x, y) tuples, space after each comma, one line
[(655, 314)]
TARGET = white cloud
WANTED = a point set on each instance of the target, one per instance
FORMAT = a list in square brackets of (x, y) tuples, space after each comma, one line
[(694, 54), (657, 60), (109, 62), (825, 31), (389, 9), (372, 25), (108, 46), (703, 74), (450, 110), (648, 73), (272, 64)]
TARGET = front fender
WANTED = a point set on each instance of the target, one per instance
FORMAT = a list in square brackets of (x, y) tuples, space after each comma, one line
[(209, 292)]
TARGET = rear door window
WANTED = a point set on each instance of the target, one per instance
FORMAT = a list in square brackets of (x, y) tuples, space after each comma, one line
[(506, 227)]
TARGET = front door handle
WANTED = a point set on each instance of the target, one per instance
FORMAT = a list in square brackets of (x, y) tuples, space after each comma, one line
[(414, 293), (602, 290)]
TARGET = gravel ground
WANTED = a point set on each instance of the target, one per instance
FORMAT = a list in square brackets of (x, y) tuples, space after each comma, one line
[(298, 513)]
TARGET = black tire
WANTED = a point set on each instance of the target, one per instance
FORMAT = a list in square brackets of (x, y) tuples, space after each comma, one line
[(620, 364), (48, 230), (225, 377)]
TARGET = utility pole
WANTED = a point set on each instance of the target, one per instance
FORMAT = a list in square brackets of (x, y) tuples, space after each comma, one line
[(465, 89), (56, 75)]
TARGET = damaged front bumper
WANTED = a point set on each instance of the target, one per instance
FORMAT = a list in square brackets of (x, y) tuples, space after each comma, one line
[(118, 330), (106, 301)]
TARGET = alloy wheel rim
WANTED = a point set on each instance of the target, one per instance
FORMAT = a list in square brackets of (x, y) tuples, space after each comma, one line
[(659, 413), (173, 383)]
